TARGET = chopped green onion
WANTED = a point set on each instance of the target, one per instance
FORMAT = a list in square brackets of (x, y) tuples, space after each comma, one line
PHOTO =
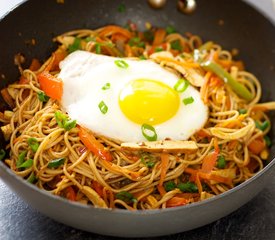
[(133, 41), (142, 57), (60, 118), (176, 45), (262, 126), (265, 125), (103, 107), (32, 178), (267, 140), (64, 122), (181, 85), (70, 124), (56, 163), (221, 162), (97, 48), (43, 97), (75, 46), (170, 30), (2, 154), (149, 132), (26, 164), (89, 39), (147, 160), (21, 158), (188, 187), (121, 64), (169, 186), (237, 87), (188, 100), (33, 143), (126, 197), (106, 86), (158, 49), (121, 8), (242, 111)]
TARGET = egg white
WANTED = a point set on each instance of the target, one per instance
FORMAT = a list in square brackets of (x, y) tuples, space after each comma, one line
[(84, 74)]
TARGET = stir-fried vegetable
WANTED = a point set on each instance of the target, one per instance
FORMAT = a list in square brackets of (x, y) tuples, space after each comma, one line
[(33, 143), (237, 87), (126, 197), (94, 145), (56, 163)]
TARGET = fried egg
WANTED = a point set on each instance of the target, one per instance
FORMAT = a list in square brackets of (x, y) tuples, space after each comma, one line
[(114, 97)]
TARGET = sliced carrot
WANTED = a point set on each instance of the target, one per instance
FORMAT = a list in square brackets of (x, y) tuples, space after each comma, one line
[(110, 30), (176, 201), (35, 65), (52, 86), (183, 64), (219, 179), (198, 183), (209, 162), (70, 193), (93, 144), (98, 188), (118, 169), (203, 134), (159, 36), (119, 37), (164, 166), (7, 97), (161, 190), (257, 145)]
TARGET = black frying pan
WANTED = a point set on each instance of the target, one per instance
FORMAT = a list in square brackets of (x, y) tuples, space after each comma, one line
[(243, 28)]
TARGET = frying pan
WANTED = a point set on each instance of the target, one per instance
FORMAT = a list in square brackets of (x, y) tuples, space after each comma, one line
[(242, 28)]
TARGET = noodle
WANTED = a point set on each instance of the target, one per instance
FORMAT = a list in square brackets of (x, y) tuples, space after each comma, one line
[(230, 145)]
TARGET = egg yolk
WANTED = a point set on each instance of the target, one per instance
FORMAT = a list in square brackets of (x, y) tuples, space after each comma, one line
[(148, 101)]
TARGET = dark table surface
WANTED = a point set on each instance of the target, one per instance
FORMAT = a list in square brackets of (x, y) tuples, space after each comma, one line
[(255, 220)]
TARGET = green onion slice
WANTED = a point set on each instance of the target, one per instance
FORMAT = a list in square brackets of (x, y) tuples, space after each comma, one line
[(42, 97), (64, 122), (176, 45), (221, 163), (242, 111), (188, 100), (169, 186), (158, 49), (33, 143), (106, 86), (149, 132), (26, 164), (188, 187), (21, 158), (181, 85), (97, 48), (75, 46), (103, 107), (2, 154), (121, 64), (147, 160), (32, 178), (126, 197), (267, 140), (56, 163), (70, 124)]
